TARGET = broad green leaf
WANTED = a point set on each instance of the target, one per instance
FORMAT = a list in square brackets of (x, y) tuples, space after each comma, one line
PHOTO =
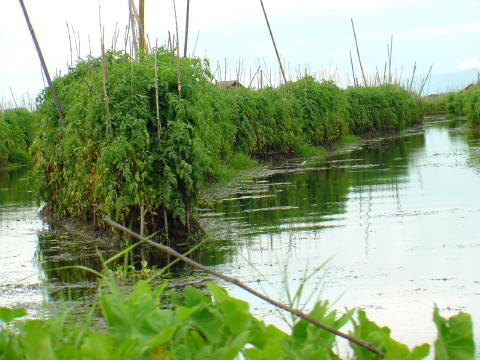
[(37, 341), (97, 346), (7, 315), (454, 338), (162, 337), (207, 322)]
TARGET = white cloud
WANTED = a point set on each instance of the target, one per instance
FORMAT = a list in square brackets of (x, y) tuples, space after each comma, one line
[(469, 63)]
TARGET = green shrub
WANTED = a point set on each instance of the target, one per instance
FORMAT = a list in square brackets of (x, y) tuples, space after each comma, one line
[(465, 103), (16, 134), (382, 108), (94, 164), (201, 327)]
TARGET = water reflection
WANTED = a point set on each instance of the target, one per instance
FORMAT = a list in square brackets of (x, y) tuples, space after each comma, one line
[(399, 216)]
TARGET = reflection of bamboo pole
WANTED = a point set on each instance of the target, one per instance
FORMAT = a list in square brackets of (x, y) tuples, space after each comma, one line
[(42, 61), (186, 29), (241, 285), (358, 53), (273, 41)]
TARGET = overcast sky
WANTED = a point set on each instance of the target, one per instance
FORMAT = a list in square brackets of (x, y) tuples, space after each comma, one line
[(312, 33)]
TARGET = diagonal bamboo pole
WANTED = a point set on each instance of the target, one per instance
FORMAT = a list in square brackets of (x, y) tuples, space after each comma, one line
[(236, 282), (42, 61), (186, 29), (273, 41), (358, 53)]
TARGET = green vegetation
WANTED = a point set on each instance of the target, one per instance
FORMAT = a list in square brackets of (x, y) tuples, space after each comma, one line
[(463, 103), (16, 135), (111, 155), (198, 326)]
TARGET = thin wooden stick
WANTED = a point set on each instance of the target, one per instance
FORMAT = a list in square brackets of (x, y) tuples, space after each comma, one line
[(273, 41), (390, 60), (13, 97), (353, 70), (237, 282), (425, 81), (413, 76), (104, 76), (157, 118), (44, 65), (179, 82), (358, 53), (195, 47)]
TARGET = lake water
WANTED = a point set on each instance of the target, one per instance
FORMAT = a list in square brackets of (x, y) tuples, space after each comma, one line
[(398, 221), (395, 223)]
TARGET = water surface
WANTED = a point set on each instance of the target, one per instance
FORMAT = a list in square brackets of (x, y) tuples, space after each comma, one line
[(398, 220)]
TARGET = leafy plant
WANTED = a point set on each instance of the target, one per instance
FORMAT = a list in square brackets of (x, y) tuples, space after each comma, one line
[(199, 326)]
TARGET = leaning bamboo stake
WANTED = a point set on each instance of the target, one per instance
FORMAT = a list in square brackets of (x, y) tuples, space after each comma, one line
[(104, 76), (413, 76), (44, 65), (390, 60), (142, 228), (358, 53), (273, 41), (179, 83), (131, 8), (141, 26), (353, 70), (238, 283), (425, 81), (157, 117), (186, 29)]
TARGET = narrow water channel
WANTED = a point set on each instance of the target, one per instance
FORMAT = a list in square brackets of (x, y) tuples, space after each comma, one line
[(398, 221)]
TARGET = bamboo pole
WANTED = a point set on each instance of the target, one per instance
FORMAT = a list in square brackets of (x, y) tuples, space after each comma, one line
[(358, 53), (186, 29), (141, 25), (157, 113), (353, 70), (237, 282), (273, 41), (179, 82), (390, 60), (132, 25), (425, 81), (413, 76), (44, 65)]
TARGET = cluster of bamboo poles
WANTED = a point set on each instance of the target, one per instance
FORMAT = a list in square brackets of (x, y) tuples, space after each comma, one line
[(388, 77)]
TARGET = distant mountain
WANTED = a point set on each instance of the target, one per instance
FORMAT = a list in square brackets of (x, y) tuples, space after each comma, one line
[(446, 82)]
